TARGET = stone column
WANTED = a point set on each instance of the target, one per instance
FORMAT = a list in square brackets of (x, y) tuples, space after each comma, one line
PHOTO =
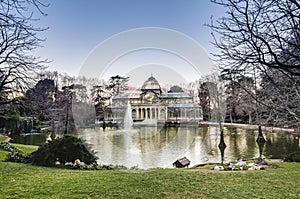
[(166, 113), (137, 113)]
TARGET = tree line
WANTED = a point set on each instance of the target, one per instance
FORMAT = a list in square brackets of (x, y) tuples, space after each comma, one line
[(56, 99), (258, 62)]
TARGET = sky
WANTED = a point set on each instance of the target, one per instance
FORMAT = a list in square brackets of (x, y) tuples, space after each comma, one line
[(101, 32)]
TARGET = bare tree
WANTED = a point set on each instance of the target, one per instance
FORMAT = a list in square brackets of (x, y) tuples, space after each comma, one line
[(18, 38), (263, 33), (282, 96), (214, 100), (257, 38), (241, 106), (217, 97)]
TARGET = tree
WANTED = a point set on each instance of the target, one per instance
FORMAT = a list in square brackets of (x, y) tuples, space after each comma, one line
[(231, 93), (100, 96), (241, 106), (259, 33), (104, 91), (256, 37), (175, 89), (281, 96), (10, 123), (39, 100), (217, 96), (66, 102), (18, 38), (213, 97), (204, 100), (118, 84)]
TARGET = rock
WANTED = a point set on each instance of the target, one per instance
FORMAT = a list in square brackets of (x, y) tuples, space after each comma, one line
[(241, 164), (69, 164), (251, 165), (263, 167), (78, 163), (56, 163), (262, 162), (219, 168)]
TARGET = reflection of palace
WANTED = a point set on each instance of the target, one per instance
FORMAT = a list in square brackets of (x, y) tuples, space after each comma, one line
[(150, 104)]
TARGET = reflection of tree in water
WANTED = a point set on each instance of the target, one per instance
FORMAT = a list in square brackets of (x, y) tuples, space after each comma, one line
[(233, 142), (250, 143), (279, 145), (241, 143), (205, 138), (211, 142), (261, 148)]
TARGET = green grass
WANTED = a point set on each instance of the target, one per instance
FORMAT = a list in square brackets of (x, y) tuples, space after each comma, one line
[(3, 155), (26, 181), (26, 148), (2, 138)]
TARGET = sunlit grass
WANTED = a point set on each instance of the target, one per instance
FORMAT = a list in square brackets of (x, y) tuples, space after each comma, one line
[(3, 155), (26, 148), (26, 181)]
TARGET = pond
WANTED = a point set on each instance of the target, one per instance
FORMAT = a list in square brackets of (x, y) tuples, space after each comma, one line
[(151, 147), (30, 138)]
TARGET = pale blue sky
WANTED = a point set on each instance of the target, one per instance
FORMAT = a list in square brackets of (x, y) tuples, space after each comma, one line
[(76, 27)]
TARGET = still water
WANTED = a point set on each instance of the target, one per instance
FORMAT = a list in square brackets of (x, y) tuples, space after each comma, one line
[(151, 147)]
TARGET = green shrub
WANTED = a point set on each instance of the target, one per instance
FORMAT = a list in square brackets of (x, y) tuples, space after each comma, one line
[(61, 150), (292, 157)]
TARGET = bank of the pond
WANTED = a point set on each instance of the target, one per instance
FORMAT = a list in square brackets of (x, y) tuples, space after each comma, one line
[(250, 127)]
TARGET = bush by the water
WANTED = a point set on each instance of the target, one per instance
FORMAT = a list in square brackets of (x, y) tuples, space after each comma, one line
[(293, 157), (61, 150)]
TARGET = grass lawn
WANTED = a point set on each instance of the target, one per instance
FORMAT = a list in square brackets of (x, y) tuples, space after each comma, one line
[(2, 138), (26, 181), (26, 148)]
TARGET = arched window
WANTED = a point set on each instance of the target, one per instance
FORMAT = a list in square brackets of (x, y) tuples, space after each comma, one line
[(133, 114)]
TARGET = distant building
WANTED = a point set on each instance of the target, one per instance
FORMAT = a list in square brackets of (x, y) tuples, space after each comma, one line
[(151, 105)]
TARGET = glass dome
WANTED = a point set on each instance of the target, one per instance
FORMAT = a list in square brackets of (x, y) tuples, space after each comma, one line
[(151, 84)]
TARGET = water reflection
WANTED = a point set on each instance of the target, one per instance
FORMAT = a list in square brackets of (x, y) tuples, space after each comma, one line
[(149, 147)]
